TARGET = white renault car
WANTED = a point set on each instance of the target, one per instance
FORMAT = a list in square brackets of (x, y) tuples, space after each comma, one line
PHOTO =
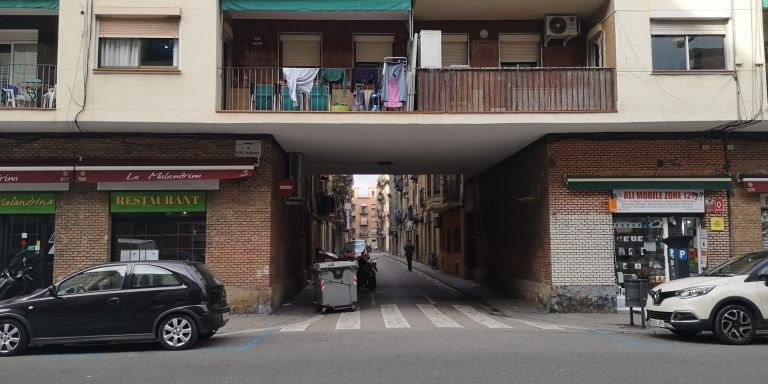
[(730, 300)]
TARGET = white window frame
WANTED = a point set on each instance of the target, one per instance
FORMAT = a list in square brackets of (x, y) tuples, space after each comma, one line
[(176, 65), (695, 27), (15, 37)]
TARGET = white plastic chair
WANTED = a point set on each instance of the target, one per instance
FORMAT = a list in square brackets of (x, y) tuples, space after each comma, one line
[(49, 98), (10, 98)]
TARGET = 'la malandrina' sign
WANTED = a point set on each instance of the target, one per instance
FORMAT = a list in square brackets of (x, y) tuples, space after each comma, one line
[(154, 201), (28, 203)]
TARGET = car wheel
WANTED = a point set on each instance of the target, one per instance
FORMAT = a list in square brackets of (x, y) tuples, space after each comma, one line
[(178, 332), (207, 335), (13, 338), (684, 333), (734, 325)]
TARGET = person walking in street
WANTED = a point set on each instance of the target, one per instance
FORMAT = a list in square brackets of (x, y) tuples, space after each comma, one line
[(409, 249)]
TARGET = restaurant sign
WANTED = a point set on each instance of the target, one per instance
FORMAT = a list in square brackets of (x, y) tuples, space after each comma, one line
[(659, 201), (151, 201), (27, 203)]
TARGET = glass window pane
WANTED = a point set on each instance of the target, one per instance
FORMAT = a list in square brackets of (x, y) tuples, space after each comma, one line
[(706, 52), (668, 52), (157, 52), (94, 280), (147, 276)]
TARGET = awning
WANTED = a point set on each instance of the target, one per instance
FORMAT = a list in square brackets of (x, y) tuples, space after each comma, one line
[(315, 5), (609, 183), (30, 4), (161, 173), (35, 178), (755, 184), (765, 4)]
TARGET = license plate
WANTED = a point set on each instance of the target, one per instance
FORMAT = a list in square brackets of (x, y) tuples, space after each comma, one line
[(225, 316), (657, 323)]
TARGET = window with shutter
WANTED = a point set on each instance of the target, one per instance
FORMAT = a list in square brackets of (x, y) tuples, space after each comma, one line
[(300, 50), (373, 48), (519, 50), (455, 49), (129, 42)]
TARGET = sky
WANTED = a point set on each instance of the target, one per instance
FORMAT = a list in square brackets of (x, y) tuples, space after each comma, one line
[(365, 181)]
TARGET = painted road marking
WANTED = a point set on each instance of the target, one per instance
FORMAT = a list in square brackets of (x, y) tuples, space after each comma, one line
[(479, 317), (349, 320), (437, 318), (537, 325), (440, 284), (373, 300), (429, 299), (300, 327), (392, 317)]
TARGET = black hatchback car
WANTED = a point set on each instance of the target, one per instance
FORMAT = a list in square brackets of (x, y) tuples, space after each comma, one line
[(173, 302)]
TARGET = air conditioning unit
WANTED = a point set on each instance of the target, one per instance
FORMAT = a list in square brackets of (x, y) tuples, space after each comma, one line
[(296, 173), (564, 27)]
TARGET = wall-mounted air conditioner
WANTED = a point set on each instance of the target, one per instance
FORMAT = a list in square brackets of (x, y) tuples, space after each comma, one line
[(564, 27)]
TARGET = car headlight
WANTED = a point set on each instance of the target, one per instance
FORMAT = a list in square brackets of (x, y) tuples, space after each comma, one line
[(694, 292)]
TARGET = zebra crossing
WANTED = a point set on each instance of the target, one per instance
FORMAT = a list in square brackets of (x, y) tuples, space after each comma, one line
[(416, 316)]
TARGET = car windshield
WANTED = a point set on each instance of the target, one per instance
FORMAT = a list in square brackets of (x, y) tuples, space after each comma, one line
[(739, 266), (356, 247)]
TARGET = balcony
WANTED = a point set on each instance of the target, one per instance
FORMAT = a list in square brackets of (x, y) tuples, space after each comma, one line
[(516, 90)]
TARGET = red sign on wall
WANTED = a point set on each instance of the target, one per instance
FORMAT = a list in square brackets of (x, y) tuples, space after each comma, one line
[(715, 206), (285, 187), (20, 177), (175, 175)]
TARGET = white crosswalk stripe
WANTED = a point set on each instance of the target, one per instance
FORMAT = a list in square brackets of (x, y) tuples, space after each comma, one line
[(480, 317), (437, 318), (545, 326), (300, 327), (392, 317), (349, 320)]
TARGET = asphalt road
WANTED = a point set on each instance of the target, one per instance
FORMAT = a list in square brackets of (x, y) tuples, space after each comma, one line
[(411, 330)]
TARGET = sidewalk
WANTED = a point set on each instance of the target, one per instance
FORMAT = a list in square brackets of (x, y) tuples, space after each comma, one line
[(501, 305)]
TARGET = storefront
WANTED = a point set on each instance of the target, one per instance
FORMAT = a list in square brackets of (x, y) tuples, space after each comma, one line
[(759, 185), (27, 215), (158, 212)]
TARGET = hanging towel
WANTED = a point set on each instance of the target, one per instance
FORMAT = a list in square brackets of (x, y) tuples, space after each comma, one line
[(334, 75), (394, 87), (366, 76), (301, 78)]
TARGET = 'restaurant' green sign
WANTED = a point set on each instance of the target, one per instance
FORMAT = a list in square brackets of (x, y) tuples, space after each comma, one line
[(152, 201), (27, 203)]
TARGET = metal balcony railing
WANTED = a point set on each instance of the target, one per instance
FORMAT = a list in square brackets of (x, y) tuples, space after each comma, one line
[(265, 89), (516, 90), (28, 86)]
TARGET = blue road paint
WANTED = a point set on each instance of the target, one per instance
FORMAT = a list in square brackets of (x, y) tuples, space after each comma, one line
[(243, 348), (623, 339)]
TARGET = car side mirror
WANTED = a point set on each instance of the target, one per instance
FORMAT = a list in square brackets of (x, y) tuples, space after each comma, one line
[(764, 278), (52, 291)]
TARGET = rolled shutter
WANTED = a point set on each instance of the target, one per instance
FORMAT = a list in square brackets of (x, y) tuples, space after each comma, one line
[(149, 27), (373, 48), (519, 48), (688, 27), (455, 50), (300, 50)]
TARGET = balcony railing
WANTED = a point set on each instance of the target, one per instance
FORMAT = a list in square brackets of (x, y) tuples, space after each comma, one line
[(265, 89), (28, 86), (516, 90)]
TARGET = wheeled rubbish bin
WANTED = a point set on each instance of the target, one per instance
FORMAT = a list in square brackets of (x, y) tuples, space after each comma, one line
[(335, 285)]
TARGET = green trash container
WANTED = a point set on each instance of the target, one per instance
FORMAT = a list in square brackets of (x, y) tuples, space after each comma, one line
[(335, 285)]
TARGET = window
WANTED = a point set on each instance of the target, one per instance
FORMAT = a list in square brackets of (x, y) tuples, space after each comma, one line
[(519, 50), (455, 50), (18, 55), (148, 276), (137, 43), (169, 236), (300, 50), (683, 45), (94, 280), (370, 50)]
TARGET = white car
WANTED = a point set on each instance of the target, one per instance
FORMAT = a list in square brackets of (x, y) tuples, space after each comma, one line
[(731, 301)]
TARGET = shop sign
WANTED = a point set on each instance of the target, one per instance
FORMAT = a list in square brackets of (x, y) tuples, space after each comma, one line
[(717, 224), (715, 205), (34, 177), (27, 203), (172, 201), (764, 200), (659, 201), (159, 175)]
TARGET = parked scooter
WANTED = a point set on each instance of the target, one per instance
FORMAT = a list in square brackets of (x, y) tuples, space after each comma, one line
[(20, 277), (366, 272)]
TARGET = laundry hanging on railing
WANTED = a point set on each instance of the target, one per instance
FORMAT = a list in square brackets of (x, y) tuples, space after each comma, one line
[(302, 79), (335, 75), (395, 90), (366, 76)]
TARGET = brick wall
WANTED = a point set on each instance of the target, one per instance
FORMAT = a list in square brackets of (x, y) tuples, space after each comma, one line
[(748, 157), (250, 242)]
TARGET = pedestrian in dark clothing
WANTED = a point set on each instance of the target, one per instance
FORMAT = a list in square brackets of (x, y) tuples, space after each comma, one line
[(409, 249)]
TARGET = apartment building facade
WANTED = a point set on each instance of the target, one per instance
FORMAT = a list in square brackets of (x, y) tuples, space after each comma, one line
[(168, 125)]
